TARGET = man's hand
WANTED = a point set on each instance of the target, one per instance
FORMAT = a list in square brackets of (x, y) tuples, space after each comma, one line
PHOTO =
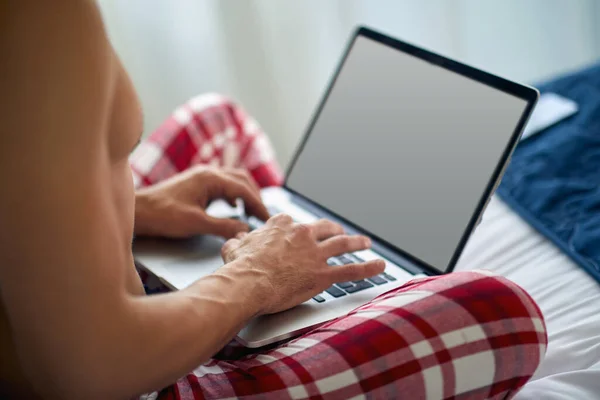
[(288, 261), (176, 207)]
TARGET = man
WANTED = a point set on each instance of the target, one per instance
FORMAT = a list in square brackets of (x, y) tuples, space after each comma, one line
[(74, 319)]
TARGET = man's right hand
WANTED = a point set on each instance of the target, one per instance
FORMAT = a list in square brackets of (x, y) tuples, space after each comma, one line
[(288, 261)]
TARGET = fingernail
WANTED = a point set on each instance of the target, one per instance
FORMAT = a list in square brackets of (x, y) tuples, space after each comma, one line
[(367, 242)]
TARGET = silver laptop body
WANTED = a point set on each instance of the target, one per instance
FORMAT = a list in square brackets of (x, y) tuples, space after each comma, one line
[(406, 147)]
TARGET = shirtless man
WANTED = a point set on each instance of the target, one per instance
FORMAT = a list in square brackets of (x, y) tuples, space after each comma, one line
[(74, 319), (70, 293)]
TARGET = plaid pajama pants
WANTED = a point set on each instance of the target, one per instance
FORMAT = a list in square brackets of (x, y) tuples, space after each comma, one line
[(467, 335)]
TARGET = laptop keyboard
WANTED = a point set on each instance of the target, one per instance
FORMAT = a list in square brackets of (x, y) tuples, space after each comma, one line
[(342, 288), (345, 288)]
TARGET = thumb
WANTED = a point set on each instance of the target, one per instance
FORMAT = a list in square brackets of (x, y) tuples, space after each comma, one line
[(225, 227)]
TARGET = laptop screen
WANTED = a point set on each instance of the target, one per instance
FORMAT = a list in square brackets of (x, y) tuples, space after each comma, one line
[(404, 149)]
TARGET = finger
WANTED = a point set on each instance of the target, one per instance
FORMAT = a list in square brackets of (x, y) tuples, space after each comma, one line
[(228, 246), (245, 179), (344, 244), (324, 229), (355, 272), (280, 220), (255, 191), (234, 188), (244, 175), (224, 227), (241, 235)]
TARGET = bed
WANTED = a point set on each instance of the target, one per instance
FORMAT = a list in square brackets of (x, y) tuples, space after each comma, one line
[(542, 231), (568, 296)]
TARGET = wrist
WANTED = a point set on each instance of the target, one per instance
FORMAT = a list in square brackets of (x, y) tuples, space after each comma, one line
[(251, 284)]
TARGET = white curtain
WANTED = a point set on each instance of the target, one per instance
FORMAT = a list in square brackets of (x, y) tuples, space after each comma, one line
[(276, 56)]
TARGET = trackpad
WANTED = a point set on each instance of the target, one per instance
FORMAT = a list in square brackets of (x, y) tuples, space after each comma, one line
[(179, 263)]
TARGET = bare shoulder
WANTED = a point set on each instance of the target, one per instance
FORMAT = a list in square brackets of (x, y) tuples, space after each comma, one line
[(52, 52), (57, 80), (56, 77)]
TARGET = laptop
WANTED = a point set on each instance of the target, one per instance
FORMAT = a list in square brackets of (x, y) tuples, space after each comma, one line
[(407, 147)]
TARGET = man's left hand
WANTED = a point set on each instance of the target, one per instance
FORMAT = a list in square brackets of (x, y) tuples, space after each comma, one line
[(176, 207)]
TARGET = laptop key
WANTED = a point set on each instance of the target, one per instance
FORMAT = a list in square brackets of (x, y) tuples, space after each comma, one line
[(344, 285), (359, 286), (335, 292), (378, 280), (388, 277), (331, 262), (345, 260), (356, 258), (318, 299)]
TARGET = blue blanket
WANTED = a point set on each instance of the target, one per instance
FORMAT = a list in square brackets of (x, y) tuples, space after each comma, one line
[(553, 181)]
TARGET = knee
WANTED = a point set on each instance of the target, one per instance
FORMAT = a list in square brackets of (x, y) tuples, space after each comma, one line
[(211, 111), (216, 104), (500, 306), (492, 298), (220, 120), (489, 327), (511, 321)]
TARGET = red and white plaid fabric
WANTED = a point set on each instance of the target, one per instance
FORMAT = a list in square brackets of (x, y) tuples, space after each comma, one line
[(208, 129), (467, 335)]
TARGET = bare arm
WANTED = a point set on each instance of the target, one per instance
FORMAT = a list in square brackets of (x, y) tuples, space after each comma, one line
[(63, 253), (81, 329)]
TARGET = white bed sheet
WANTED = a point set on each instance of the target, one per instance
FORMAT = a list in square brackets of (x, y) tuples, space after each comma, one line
[(567, 296)]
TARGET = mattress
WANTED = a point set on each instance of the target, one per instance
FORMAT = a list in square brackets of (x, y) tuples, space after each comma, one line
[(566, 294)]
